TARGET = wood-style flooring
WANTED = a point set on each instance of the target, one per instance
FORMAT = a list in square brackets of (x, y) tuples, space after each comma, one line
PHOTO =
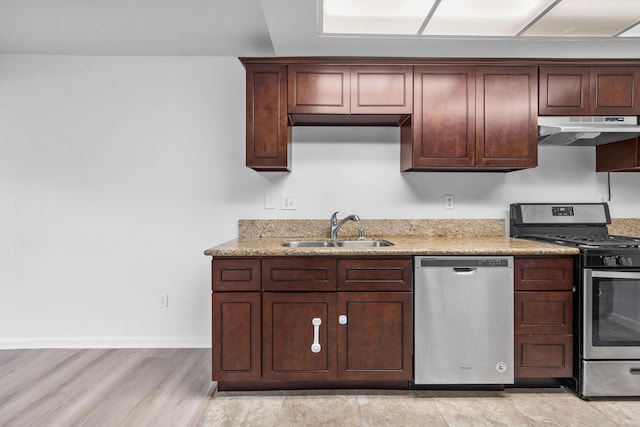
[(172, 387), (123, 387)]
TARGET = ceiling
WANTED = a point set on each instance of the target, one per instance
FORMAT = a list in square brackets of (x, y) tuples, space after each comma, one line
[(246, 28)]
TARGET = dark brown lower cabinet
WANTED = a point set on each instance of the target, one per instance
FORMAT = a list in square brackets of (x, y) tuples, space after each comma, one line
[(289, 336), (375, 336), (312, 322), (543, 315), (236, 336)]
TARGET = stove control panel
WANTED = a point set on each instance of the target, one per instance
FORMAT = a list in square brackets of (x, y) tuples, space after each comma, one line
[(612, 260)]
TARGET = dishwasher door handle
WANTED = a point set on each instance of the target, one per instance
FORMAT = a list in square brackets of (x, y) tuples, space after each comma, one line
[(464, 270)]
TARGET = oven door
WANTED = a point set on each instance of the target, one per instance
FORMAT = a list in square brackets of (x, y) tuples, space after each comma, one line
[(611, 314)]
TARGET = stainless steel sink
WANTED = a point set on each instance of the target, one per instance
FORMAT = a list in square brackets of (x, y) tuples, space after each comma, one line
[(309, 244), (338, 243), (363, 243)]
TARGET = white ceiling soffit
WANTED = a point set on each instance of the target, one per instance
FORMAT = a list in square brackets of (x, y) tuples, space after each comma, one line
[(134, 27)]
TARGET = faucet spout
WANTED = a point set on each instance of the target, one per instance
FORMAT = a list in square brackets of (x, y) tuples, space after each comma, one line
[(335, 224)]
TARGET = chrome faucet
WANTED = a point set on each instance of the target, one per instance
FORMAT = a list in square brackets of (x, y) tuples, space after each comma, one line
[(335, 224)]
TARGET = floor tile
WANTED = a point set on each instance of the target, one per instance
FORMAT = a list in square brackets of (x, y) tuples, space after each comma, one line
[(320, 408), (246, 409), (388, 408)]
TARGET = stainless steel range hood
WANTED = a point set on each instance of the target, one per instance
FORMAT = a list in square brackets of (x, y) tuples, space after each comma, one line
[(586, 130)]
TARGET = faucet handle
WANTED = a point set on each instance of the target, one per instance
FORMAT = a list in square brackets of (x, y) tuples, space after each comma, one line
[(334, 218)]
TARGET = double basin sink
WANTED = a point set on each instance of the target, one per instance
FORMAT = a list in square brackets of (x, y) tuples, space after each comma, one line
[(336, 243)]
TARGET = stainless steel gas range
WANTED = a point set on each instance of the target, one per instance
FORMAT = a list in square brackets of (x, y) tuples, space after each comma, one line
[(607, 303)]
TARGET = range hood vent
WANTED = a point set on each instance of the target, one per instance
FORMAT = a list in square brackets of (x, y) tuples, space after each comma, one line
[(586, 130)]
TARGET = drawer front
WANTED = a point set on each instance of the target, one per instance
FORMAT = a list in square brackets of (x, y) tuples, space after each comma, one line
[(235, 275), (306, 274), (543, 313), (543, 274), (375, 274), (542, 356)]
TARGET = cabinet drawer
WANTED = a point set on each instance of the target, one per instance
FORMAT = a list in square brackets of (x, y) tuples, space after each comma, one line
[(374, 274), (543, 356), (299, 274), (543, 313), (235, 274), (543, 274)]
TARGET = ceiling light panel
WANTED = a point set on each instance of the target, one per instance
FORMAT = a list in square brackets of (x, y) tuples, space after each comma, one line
[(399, 17), (483, 18), (590, 18)]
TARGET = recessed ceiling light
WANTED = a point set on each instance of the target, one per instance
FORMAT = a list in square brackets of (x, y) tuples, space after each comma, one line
[(485, 18), (591, 18), (399, 17)]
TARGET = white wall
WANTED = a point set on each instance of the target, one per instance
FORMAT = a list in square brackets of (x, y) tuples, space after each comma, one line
[(117, 172)]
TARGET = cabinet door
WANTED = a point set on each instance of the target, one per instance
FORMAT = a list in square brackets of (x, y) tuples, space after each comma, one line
[(443, 117), (289, 334), (268, 134), (615, 90), (506, 117), (319, 89), (381, 89), (564, 91), (236, 339), (540, 356), (376, 342)]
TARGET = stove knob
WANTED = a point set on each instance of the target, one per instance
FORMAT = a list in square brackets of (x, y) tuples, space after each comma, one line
[(624, 260), (609, 261)]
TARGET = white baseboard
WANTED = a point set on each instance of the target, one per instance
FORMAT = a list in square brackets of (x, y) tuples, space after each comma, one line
[(106, 342)]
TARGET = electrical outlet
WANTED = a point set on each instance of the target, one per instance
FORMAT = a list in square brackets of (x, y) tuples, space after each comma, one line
[(163, 300), (448, 201)]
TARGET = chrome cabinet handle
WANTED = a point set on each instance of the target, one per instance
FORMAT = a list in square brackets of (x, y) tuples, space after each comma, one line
[(316, 322)]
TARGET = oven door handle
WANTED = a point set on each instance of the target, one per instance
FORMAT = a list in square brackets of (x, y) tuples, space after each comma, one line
[(615, 274)]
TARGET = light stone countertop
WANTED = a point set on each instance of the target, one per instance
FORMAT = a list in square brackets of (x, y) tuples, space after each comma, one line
[(409, 236), (414, 245)]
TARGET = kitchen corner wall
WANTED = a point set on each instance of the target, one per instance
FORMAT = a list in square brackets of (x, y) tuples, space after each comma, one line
[(117, 172)]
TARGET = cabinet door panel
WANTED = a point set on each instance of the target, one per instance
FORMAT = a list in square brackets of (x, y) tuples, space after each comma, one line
[(376, 343), (543, 356), (381, 89), (318, 89), (236, 338), (564, 91), (543, 274), (305, 274), (506, 117), (444, 111), (268, 134), (289, 334), (375, 274), (615, 90), (543, 313), (235, 274)]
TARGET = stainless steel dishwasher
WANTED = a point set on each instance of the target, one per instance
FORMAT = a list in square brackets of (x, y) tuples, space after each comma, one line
[(463, 320)]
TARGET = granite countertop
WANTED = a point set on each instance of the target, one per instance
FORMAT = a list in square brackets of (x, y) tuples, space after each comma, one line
[(409, 237), (409, 245)]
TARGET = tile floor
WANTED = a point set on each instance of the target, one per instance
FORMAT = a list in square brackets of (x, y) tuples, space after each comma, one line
[(513, 407)]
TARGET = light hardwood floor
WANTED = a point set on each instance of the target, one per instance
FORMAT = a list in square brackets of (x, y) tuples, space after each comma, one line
[(172, 387), (123, 387)]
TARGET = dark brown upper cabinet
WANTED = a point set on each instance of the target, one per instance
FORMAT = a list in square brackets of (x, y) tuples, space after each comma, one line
[(268, 139), (621, 156), (583, 91), (344, 89), (472, 118)]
